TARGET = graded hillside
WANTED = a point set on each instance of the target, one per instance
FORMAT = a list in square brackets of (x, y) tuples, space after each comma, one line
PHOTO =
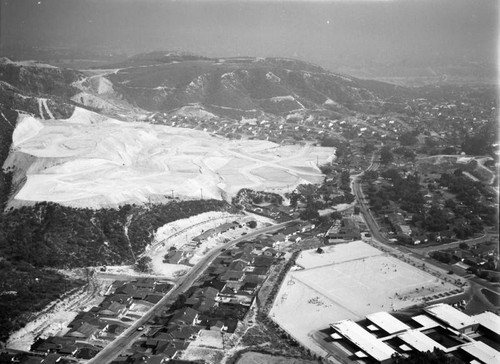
[(90, 160), (246, 86), (32, 88)]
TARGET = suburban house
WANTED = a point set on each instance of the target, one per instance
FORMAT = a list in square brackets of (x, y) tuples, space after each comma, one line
[(186, 316), (347, 230)]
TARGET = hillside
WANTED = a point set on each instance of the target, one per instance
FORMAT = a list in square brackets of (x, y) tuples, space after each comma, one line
[(246, 86), (59, 151)]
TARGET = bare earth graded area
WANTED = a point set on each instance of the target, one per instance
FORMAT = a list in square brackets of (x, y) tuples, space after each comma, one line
[(347, 281), (92, 160)]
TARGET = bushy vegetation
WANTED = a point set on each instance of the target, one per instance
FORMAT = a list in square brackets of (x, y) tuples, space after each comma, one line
[(481, 143), (470, 196), (248, 196), (41, 80), (386, 155), (25, 289), (404, 190), (49, 234)]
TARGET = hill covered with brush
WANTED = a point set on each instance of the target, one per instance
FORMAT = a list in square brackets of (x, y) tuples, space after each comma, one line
[(245, 86)]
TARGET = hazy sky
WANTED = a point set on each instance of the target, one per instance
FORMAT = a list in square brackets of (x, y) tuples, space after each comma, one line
[(324, 32)]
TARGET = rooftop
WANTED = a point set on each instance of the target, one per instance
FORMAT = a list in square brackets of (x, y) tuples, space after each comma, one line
[(425, 321), (482, 352), (387, 322), (489, 320), (420, 341), (453, 317), (374, 347)]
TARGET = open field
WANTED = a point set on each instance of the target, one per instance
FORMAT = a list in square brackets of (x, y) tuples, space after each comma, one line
[(92, 161), (348, 281)]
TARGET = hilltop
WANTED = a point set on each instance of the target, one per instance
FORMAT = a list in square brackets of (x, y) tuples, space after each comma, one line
[(245, 86)]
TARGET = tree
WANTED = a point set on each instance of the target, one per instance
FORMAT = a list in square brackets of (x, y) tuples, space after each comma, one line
[(370, 176), (329, 142), (252, 224), (463, 246), (368, 148), (391, 174), (386, 156), (294, 198), (336, 215), (143, 264), (307, 191), (408, 138), (326, 168), (309, 214), (404, 239)]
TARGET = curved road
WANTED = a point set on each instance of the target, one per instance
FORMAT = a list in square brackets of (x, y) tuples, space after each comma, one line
[(419, 254), (111, 351)]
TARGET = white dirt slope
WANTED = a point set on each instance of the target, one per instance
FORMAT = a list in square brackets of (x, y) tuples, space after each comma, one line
[(90, 160)]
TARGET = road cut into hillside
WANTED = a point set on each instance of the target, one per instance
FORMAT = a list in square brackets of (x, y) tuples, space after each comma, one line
[(90, 160)]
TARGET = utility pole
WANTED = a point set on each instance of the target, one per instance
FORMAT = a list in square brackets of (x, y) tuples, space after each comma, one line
[(201, 193), (172, 194)]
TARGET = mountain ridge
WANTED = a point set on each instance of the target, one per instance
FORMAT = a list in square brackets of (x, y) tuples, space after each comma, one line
[(160, 82)]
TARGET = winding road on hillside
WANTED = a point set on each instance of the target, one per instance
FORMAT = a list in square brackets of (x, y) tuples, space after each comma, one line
[(111, 351)]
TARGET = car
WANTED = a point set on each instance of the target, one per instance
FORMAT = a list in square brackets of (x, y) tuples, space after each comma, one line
[(140, 328)]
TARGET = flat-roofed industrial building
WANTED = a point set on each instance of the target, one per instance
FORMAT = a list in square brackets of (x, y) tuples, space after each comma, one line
[(490, 322), (420, 342), (387, 322), (365, 341), (482, 353), (453, 318)]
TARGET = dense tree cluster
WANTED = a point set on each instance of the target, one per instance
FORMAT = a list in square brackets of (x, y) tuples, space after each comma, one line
[(52, 235), (408, 138), (471, 196), (369, 176), (481, 143), (386, 155), (404, 190), (248, 196)]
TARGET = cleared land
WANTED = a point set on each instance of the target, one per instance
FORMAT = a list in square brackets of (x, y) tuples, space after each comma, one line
[(348, 281), (92, 161)]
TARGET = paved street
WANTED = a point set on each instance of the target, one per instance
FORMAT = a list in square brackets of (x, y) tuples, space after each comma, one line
[(113, 350)]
